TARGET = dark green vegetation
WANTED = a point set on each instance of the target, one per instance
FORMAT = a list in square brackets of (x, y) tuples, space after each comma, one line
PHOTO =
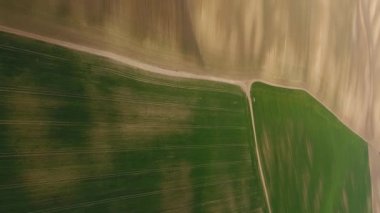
[(78, 132), (311, 161)]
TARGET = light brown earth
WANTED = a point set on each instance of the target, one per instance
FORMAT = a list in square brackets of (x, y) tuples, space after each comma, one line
[(329, 48)]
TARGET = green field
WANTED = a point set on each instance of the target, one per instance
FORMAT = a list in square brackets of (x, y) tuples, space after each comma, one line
[(82, 133), (311, 161)]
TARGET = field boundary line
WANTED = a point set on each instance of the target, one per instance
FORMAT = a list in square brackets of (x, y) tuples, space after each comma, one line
[(116, 57), (247, 90), (155, 69)]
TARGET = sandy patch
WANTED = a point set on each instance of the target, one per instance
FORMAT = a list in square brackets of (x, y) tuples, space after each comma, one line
[(44, 183), (181, 198)]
